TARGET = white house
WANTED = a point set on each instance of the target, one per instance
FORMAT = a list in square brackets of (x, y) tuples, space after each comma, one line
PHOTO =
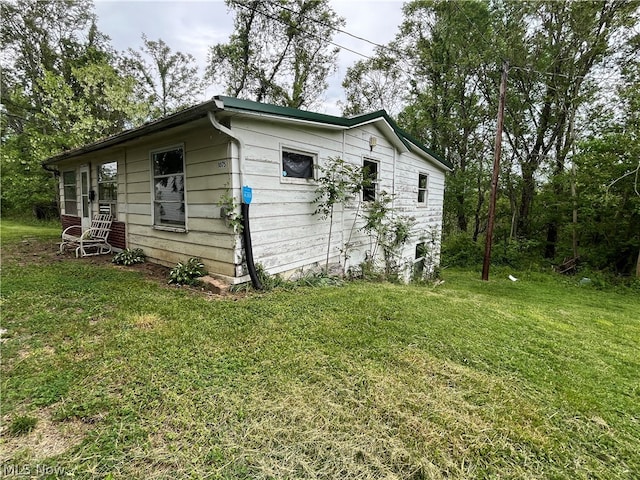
[(164, 183)]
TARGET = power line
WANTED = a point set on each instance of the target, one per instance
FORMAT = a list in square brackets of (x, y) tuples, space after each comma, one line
[(400, 56), (267, 15), (339, 30)]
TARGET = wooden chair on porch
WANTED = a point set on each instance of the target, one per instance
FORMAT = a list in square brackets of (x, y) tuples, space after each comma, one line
[(93, 241)]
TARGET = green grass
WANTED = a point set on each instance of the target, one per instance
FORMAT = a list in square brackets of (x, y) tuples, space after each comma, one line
[(134, 379), (12, 230)]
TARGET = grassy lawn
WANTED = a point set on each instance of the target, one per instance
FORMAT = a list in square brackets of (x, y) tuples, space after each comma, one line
[(109, 373)]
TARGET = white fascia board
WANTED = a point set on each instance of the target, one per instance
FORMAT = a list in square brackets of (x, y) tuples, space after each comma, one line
[(289, 120)]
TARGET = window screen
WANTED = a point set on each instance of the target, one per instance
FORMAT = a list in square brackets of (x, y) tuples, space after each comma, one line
[(423, 183), (108, 187), (70, 195)]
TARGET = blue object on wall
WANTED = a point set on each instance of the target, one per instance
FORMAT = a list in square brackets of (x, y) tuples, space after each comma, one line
[(247, 194)]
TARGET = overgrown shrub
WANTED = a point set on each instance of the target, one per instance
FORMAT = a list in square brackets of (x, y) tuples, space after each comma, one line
[(389, 231), (461, 251), (268, 281), (187, 273), (129, 257)]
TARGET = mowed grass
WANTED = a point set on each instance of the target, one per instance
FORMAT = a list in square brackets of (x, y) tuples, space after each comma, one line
[(130, 378)]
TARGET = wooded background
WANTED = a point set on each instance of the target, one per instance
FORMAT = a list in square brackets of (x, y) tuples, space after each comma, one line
[(570, 174)]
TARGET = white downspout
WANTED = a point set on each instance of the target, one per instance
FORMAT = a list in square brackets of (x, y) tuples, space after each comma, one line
[(227, 131), (244, 206)]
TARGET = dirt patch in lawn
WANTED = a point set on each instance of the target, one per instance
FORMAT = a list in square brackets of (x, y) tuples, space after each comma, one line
[(33, 251), (46, 440)]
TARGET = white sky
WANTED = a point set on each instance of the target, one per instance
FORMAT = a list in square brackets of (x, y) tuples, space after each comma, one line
[(192, 26)]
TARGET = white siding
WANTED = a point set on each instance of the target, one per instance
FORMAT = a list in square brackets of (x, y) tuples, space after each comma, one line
[(207, 177), (285, 233)]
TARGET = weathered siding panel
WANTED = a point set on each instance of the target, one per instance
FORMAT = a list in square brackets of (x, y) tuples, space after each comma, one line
[(428, 216), (286, 234), (207, 177)]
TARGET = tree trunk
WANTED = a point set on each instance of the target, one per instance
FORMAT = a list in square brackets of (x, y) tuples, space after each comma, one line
[(526, 199), (462, 218), (552, 239)]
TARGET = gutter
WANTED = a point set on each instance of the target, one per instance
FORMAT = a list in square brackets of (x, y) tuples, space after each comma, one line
[(246, 232), (55, 171), (227, 131)]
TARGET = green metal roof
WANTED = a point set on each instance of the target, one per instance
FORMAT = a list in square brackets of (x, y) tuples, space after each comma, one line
[(232, 103), (239, 105)]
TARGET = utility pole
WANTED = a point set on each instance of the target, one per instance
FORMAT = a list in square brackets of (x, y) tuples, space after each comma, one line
[(574, 224), (496, 171)]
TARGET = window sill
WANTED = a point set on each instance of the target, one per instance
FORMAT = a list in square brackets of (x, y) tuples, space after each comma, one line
[(298, 181), (166, 228)]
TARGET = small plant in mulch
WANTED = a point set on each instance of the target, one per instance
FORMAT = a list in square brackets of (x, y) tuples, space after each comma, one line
[(187, 273), (22, 425), (129, 257)]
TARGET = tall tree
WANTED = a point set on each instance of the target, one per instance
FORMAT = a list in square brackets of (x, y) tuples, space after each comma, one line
[(554, 47), (608, 179), (37, 37), (59, 90), (279, 52), (168, 81), (377, 83), (446, 108)]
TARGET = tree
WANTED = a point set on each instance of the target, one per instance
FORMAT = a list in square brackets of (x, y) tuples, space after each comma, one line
[(446, 107), (59, 90), (338, 182), (377, 83), (38, 37), (553, 48), (279, 52), (608, 180), (167, 81)]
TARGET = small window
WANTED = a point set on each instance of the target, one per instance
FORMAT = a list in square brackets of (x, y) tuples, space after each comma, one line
[(370, 180), (108, 188), (297, 164), (168, 187), (70, 193), (420, 260), (423, 184)]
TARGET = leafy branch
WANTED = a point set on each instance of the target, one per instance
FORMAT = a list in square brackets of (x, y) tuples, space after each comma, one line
[(338, 182), (230, 210)]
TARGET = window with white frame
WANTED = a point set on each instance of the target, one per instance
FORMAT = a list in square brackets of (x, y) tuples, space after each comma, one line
[(108, 188), (369, 180), (69, 188), (423, 188), (297, 164), (168, 187)]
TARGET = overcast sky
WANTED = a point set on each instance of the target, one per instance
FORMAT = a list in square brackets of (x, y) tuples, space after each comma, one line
[(192, 26)]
